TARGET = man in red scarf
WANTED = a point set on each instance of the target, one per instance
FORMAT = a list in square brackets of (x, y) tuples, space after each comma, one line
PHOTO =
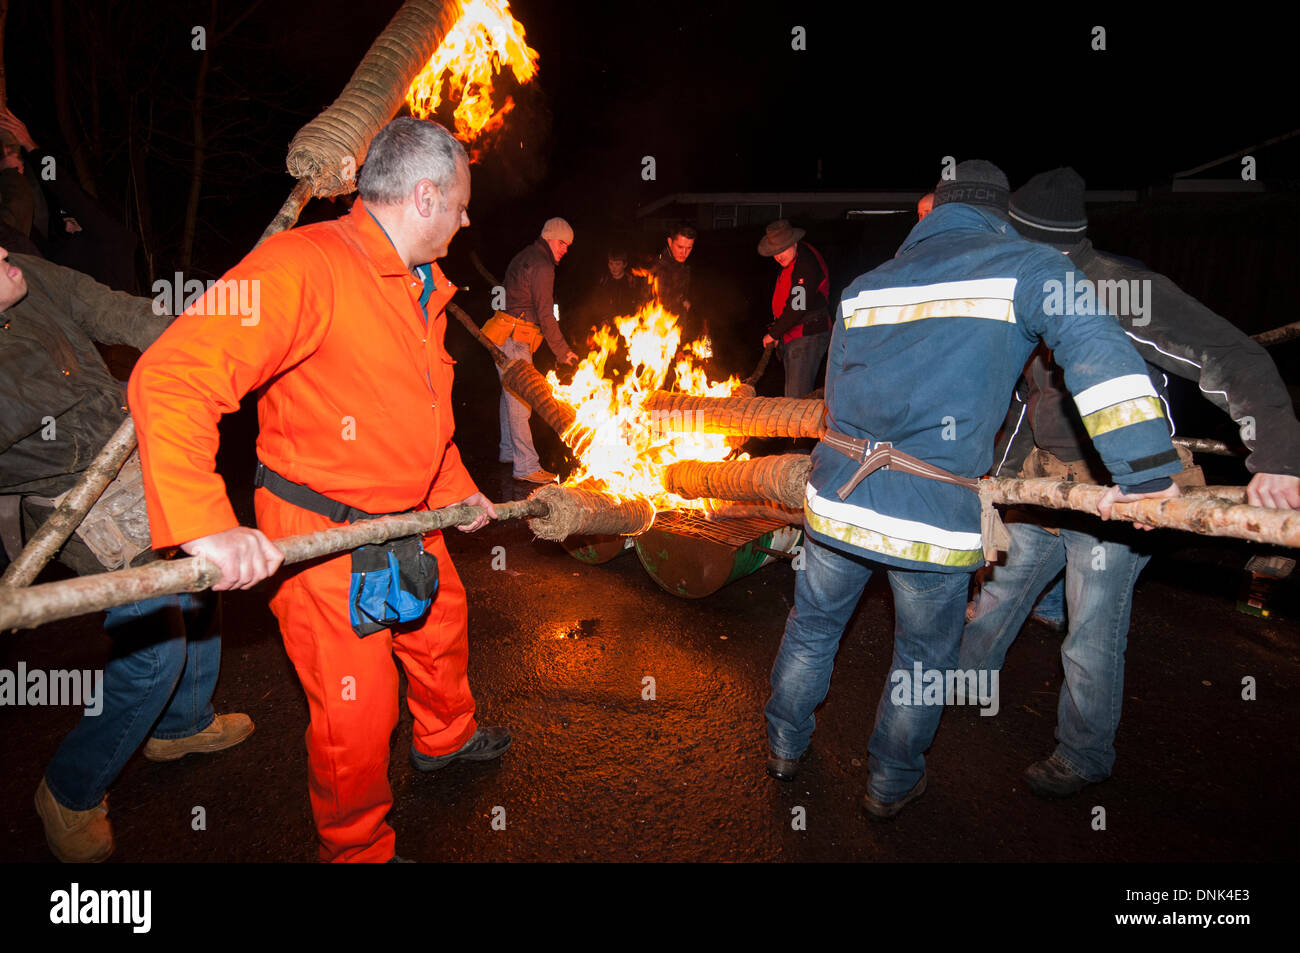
[(800, 306)]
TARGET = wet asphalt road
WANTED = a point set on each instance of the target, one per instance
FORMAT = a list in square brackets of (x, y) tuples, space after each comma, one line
[(559, 652)]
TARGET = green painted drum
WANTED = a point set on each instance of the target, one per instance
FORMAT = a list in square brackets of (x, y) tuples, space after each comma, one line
[(597, 549), (693, 558)]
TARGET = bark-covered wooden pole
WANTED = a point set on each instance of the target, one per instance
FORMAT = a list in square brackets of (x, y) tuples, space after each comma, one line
[(36, 605), (1193, 513), (776, 479), (1276, 336), (1205, 445), (1207, 511), (49, 539), (498, 356)]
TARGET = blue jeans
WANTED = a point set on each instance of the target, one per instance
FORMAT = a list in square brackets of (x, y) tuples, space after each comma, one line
[(156, 678), (1051, 606), (1099, 579), (802, 357), (929, 610), (516, 436)]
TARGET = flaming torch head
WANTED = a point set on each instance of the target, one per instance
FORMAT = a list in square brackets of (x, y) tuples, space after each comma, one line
[(482, 44)]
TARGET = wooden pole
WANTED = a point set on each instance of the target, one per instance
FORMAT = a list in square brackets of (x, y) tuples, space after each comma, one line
[(482, 270), (1285, 333), (49, 539), (1192, 513), (498, 355), (287, 217), (37, 605), (1205, 445), (761, 369)]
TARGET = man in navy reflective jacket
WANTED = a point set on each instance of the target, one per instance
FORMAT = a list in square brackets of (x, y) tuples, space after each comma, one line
[(925, 353)]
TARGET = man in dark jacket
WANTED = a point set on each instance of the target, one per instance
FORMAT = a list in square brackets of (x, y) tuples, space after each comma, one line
[(672, 279), (800, 306), (619, 292), (924, 356), (1043, 436), (61, 406), (530, 317)]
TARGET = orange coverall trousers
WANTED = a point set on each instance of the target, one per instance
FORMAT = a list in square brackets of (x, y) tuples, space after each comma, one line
[(351, 685)]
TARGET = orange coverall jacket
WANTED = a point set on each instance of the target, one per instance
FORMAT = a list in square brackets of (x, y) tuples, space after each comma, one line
[(355, 394), (355, 402)]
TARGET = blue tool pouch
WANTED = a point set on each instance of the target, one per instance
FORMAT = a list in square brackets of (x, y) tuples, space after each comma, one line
[(392, 583)]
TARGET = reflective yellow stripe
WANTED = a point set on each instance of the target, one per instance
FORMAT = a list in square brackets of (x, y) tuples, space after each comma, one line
[(875, 542), (1122, 414), (994, 309)]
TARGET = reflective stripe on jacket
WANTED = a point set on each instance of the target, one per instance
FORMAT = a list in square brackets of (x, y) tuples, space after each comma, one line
[(925, 352)]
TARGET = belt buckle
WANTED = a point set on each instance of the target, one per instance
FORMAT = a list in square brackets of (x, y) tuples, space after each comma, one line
[(880, 445)]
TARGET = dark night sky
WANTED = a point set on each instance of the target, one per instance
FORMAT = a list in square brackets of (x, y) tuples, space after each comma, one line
[(716, 94)]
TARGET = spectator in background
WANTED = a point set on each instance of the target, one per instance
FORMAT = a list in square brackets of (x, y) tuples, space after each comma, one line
[(157, 685), (63, 223), (924, 205), (528, 319), (17, 199), (800, 307), (618, 292), (673, 280), (1044, 436)]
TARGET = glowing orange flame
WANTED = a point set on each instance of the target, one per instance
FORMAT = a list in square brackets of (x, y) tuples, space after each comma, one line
[(626, 448), (484, 41)]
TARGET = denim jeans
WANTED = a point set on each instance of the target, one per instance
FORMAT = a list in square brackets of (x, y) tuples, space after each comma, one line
[(156, 678), (802, 357), (516, 437), (1051, 605), (1099, 579), (929, 609)]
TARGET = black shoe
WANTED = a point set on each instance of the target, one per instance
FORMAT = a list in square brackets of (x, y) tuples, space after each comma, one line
[(1053, 778), (397, 859), (883, 810), (784, 769), (484, 745)]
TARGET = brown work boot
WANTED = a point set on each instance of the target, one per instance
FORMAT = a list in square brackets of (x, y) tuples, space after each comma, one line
[(226, 731), (75, 837), (541, 476)]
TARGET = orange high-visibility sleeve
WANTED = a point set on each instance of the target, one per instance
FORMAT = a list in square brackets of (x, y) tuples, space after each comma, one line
[(453, 483), (201, 367), (354, 384)]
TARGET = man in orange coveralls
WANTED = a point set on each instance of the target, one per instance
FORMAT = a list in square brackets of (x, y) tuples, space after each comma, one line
[(339, 326)]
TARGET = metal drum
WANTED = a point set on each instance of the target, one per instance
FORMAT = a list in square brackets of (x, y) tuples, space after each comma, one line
[(692, 557), (596, 549)]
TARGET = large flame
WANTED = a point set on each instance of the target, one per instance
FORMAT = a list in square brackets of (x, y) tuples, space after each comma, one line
[(484, 41), (621, 447)]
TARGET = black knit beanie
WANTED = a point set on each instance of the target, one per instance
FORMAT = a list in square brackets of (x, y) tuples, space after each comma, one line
[(976, 182), (1049, 208)]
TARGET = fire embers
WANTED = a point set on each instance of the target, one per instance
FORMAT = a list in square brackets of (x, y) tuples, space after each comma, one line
[(621, 445)]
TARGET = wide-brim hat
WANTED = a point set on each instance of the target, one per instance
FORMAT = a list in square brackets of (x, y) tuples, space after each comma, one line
[(779, 236)]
